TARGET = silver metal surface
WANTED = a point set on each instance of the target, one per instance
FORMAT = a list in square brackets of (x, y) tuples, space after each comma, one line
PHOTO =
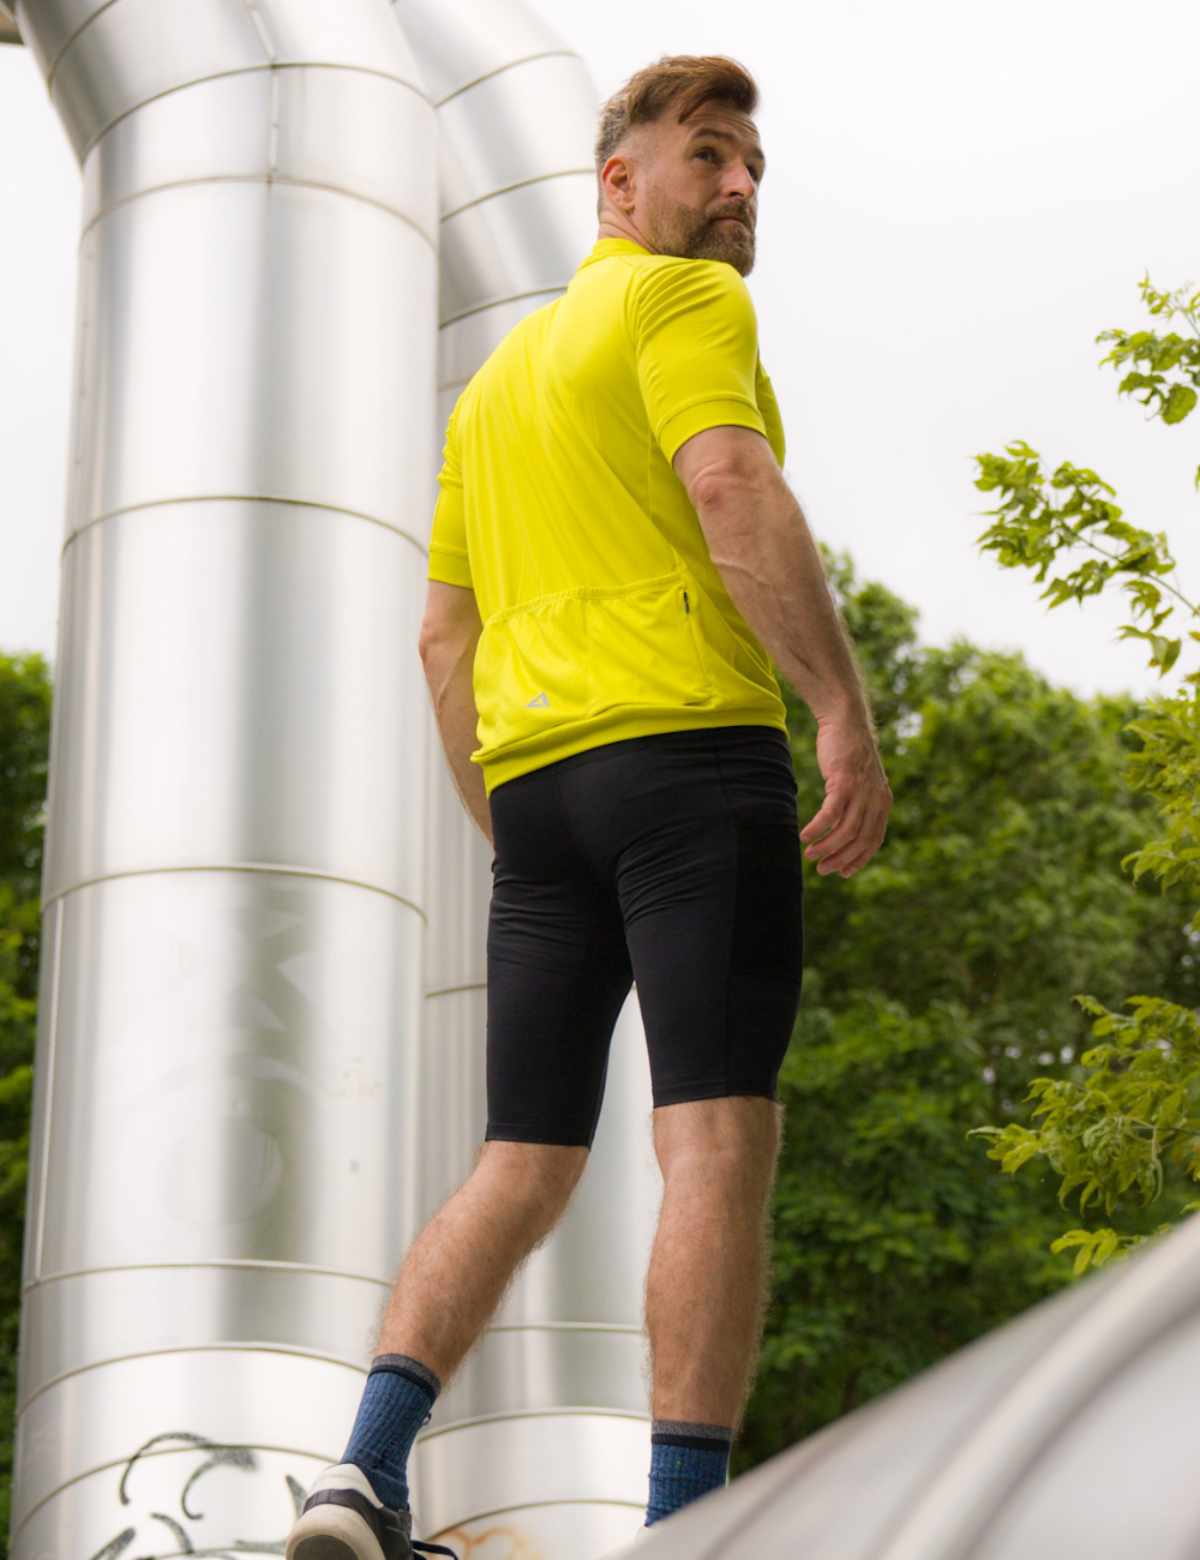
[(499, 1467), (237, 688), (223, 1167), (516, 119), (251, 1498), (95, 1422)]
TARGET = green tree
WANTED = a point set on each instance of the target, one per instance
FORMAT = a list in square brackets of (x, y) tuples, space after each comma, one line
[(1122, 1133), (937, 984), (24, 747)]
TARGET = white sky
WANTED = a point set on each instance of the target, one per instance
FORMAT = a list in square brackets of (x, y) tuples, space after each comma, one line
[(959, 199)]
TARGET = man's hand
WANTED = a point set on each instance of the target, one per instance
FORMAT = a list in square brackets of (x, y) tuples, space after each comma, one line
[(770, 565), (449, 636), (850, 826)]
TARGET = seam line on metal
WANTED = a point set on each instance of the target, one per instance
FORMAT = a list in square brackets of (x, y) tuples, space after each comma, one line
[(232, 1346), (174, 1451), (70, 39), (540, 1505), (570, 1411), (234, 866), (526, 59), (241, 498), (251, 1264), (520, 184), (269, 178), (494, 303), (246, 70)]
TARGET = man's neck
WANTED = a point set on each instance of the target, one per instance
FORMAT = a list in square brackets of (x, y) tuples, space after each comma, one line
[(615, 224)]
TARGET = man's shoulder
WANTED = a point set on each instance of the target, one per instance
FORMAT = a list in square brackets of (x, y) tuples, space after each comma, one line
[(667, 286)]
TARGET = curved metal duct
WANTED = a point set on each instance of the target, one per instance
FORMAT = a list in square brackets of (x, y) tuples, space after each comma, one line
[(1065, 1432), (541, 1445), (233, 922)]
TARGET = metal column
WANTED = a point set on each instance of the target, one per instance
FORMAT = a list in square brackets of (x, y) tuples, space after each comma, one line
[(541, 1445), (222, 1167)]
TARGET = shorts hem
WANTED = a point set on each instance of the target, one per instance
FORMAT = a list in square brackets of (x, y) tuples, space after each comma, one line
[(686, 1093), (547, 1137)]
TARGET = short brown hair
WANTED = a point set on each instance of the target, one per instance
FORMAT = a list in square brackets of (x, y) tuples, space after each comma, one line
[(683, 82)]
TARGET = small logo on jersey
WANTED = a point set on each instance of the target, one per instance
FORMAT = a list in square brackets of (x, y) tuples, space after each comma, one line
[(538, 702)]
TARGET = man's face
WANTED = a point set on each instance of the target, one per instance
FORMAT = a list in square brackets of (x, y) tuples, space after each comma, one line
[(697, 185)]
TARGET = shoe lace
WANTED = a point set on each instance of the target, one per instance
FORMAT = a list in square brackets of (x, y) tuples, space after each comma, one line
[(433, 1549)]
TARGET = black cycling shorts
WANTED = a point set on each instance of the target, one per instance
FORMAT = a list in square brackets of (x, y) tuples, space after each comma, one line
[(672, 860)]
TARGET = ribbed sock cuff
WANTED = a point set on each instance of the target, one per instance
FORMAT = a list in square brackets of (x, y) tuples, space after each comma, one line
[(403, 1365), (677, 1432)]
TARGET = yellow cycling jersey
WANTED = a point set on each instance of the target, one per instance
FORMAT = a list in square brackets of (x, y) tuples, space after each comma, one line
[(604, 617)]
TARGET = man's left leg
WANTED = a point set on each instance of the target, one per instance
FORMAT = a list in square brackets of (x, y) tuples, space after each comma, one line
[(452, 1280), (706, 1287)]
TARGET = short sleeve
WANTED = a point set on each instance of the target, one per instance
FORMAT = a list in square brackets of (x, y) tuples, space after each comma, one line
[(449, 562), (696, 343)]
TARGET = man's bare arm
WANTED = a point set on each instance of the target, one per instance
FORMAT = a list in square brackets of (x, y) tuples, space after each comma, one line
[(761, 544), (449, 634)]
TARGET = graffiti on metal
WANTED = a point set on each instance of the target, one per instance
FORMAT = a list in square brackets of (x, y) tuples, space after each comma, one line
[(170, 1531)]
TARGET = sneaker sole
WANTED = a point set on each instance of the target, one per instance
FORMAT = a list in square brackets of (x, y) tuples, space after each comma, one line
[(324, 1547), (332, 1533)]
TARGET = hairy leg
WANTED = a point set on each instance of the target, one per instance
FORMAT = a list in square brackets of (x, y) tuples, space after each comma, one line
[(705, 1290), (458, 1268)]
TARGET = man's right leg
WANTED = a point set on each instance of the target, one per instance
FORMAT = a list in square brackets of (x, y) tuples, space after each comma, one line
[(705, 1291)]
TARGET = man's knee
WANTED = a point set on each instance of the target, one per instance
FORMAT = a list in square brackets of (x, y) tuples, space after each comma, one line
[(735, 1137), (540, 1177)]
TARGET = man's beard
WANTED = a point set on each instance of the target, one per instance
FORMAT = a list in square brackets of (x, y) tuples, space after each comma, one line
[(701, 235)]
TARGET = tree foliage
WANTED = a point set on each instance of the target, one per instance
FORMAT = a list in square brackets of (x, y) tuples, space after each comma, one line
[(24, 748), (937, 986), (1126, 1129)]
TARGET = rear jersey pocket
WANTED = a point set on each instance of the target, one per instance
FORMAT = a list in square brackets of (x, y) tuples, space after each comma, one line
[(575, 655)]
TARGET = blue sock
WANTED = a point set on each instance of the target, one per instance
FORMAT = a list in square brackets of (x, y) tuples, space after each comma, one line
[(396, 1402), (686, 1461)]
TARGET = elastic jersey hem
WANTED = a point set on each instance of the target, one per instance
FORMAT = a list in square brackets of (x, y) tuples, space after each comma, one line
[(617, 725)]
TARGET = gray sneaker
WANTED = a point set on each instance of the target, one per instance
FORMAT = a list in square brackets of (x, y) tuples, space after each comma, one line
[(344, 1519)]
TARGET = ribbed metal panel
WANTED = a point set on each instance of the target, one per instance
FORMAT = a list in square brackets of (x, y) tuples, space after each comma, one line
[(223, 1161)]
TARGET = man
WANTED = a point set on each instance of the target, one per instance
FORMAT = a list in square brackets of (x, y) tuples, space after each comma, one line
[(615, 556)]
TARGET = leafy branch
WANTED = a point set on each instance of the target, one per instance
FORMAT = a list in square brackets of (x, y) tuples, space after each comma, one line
[(1031, 530), (1157, 358), (1110, 1136)]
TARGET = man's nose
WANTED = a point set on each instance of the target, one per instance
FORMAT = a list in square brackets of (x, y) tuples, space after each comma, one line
[(740, 182)]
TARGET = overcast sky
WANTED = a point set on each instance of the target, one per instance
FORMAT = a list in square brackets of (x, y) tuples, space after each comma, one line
[(959, 199)]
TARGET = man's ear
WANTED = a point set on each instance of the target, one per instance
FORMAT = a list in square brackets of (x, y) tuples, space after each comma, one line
[(617, 180)]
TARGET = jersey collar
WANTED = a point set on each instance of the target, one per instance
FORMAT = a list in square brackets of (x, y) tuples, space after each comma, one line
[(607, 247)]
